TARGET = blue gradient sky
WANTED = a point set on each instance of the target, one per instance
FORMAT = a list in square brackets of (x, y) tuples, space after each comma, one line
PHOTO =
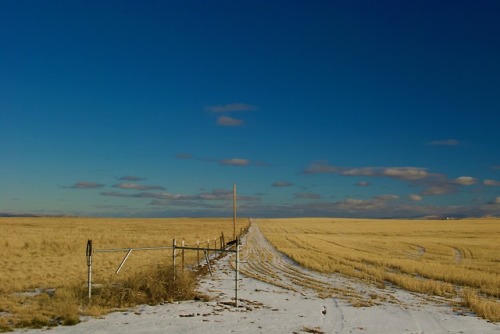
[(313, 108)]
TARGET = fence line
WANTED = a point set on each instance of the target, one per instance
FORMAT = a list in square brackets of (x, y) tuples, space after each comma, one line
[(206, 250)]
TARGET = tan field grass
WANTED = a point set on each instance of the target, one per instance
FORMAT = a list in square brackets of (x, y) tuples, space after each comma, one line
[(435, 257), (44, 265)]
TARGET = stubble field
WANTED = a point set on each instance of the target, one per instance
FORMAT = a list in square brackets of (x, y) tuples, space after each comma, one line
[(457, 259), (44, 267)]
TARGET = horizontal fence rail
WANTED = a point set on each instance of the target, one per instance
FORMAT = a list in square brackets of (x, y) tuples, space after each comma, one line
[(225, 248), (128, 249)]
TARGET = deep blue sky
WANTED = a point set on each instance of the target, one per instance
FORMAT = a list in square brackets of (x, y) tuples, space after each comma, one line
[(313, 108)]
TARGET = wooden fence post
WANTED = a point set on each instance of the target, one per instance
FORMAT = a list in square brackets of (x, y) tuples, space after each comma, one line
[(198, 251), (182, 264), (173, 257), (208, 262), (89, 265)]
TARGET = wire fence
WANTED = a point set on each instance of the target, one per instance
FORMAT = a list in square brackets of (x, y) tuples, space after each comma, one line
[(211, 246)]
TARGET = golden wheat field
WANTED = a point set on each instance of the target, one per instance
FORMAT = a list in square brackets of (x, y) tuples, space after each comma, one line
[(447, 258), (49, 255)]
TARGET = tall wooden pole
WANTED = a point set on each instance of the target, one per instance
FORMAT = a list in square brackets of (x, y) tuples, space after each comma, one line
[(234, 211)]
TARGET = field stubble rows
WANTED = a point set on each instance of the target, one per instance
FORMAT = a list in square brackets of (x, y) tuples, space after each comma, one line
[(44, 266), (455, 260)]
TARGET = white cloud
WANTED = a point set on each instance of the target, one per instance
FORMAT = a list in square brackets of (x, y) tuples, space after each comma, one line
[(402, 173), (432, 183), (465, 180), (229, 121), (406, 173), (491, 183), (415, 197)]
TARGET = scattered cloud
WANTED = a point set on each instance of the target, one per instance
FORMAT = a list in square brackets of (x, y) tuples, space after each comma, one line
[(131, 178), (160, 195), (135, 186), (432, 183), (280, 184), (86, 185), (214, 195), (465, 181), (376, 207), (402, 173), (219, 202), (405, 173), (447, 142), (362, 183), (200, 200), (229, 121), (440, 189), (491, 183), (307, 195), (217, 194), (415, 198), (183, 156), (231, 107), (235, 162)]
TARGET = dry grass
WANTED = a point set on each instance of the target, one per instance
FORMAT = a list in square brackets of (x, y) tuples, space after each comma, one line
[(487, 308), (433, 257), (48, 255)]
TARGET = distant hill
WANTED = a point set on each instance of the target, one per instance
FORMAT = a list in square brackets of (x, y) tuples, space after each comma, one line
[(7, 214), (10, 214)]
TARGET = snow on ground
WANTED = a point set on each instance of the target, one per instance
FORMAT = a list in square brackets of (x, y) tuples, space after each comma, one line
[(267, 308)]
